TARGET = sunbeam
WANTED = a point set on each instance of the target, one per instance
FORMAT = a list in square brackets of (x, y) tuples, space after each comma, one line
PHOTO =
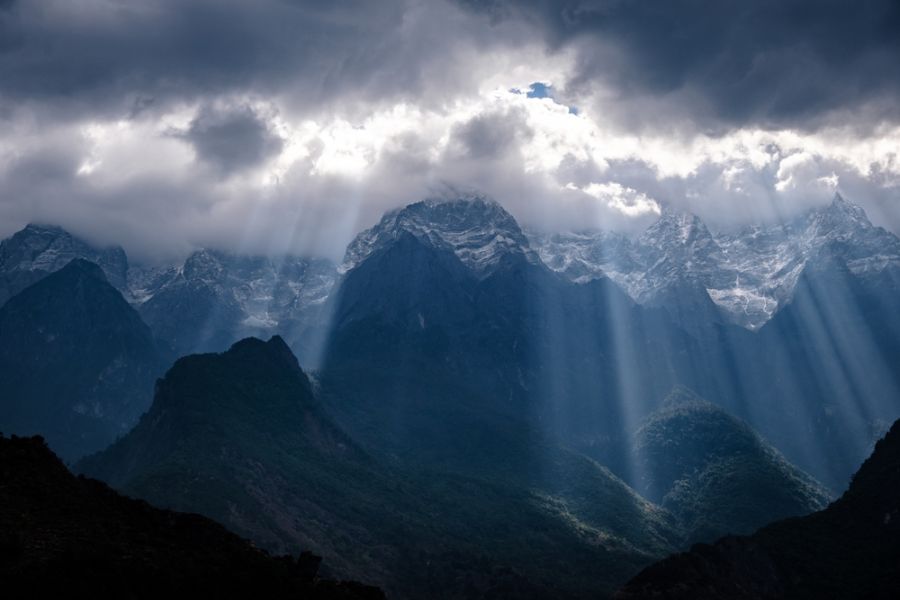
[(456, 298)]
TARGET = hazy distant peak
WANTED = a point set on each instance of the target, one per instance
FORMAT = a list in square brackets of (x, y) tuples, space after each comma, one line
[(841, 213), (462, 198), (38, 249), (41, 228), (749, 274), (677, 227)]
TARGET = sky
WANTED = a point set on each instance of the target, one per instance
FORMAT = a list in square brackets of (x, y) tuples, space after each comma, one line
[(290, 125)]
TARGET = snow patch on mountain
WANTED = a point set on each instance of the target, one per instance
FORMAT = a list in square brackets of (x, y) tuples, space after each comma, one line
[(748, 274), (267, 291), (38, 250), (476, 229)]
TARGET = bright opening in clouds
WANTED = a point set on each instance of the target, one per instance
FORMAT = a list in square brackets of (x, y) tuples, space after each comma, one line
[(164, 126), (472, 298)]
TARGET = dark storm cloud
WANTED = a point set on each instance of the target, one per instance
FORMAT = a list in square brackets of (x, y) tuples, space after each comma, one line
[(380, 103), (114, 57), (728, 62), (232, 139), (718, 62)]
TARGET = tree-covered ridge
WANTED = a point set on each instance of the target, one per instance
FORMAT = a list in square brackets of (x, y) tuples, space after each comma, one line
[(715, 473), (849, 550), (241, 438)]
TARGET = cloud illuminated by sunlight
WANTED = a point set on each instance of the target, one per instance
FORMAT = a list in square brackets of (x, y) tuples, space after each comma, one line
[(626, 200), (531, 152)]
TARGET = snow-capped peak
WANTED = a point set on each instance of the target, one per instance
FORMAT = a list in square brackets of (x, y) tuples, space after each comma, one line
[(37, 250), (676, 227), (478, 230), (841, 206), (748, 274), (203, 264), (839, 219)]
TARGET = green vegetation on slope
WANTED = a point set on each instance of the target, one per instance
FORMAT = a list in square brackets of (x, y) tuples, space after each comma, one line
[(850, 550), (239, 437), (714, 473)]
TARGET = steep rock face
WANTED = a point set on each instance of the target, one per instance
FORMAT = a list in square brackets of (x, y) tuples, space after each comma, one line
[(849, 550), (770, 260), (477, 230), (585, 255), (238, 433), (678, 247), (77, 364), (826, 362), (207, 302), (749, 274), (39, 250), (715, 473), (67, 536), (675, 254), (214, 298), (520, 345), (240, 437)]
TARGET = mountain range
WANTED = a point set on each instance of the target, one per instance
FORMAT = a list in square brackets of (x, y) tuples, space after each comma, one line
[(568, 315), (749, 274), (241, 438), (482, 410), (583, 361), (214, 298)]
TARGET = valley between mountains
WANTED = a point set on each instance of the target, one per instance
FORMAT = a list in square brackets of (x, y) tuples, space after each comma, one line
[(463, 408)]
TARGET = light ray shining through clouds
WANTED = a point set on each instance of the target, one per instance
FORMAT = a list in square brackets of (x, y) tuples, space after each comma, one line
[(544, 291)]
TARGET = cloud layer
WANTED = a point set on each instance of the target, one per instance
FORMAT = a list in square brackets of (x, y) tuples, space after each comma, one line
[(770, 63), (288, 125)]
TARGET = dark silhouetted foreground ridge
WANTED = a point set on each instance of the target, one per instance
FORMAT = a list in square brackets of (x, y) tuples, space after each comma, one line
[(67, 536), (849, 550)]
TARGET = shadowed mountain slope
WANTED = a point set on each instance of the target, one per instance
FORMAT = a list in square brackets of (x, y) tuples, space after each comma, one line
[(716, 474), (77, 364), (240, 437), (75, 537), (36, 251), (849, 550)]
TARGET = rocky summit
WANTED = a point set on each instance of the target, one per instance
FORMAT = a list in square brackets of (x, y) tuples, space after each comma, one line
[(749, 274)]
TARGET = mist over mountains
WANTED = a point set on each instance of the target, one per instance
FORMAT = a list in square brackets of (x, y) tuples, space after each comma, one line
[(450, 299), (748, 274), (675, 297), (463, 408), (240, 438)]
